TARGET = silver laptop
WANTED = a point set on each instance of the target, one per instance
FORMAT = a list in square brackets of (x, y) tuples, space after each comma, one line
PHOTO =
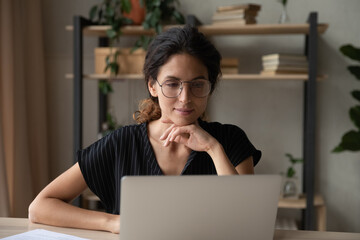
[(199, 207)]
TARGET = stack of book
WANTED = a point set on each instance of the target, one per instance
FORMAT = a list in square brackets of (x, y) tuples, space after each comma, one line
[(229, 65), (236, 14), (284, 64)]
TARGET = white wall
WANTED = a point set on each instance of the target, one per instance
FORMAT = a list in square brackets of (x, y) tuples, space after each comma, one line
[(269, 111)]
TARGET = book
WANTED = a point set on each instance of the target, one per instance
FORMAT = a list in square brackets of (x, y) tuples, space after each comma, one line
[(286, 68), (229, 70), (236, 12), (250, 6), (285, 62), (228, 17), (274, 72), (279, 56), (229, 62), (232, 12), (234, 22)]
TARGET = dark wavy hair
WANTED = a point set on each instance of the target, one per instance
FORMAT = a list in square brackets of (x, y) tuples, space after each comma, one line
[(176, 40)]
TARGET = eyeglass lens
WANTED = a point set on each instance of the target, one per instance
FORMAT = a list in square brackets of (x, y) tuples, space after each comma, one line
[(198, 87)]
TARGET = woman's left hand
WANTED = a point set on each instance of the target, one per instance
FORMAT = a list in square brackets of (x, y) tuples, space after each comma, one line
[(192, 136)]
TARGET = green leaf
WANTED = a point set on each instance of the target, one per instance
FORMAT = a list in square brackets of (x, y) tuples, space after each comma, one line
[(178, 17), (291, 172), (110, 12), (158, 29), (126, 6), (356, 94), (146, 25), (92, 12), (355, 70), (354, 113), (111, 33), (350, 141), (351, 52), (338, 149), (114, 68), (156, 3), (105, 87)]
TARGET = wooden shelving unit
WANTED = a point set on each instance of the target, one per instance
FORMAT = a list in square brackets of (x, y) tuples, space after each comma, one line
[(212, 30), (82, 27), (297, 77)]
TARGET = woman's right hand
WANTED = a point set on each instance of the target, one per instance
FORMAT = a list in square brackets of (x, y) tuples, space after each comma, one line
[(53, 205), (114, 224)]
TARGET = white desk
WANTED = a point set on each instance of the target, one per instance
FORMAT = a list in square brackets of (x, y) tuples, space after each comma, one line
[(12, 226)]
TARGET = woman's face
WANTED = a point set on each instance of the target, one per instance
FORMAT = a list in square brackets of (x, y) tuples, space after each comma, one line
[(186, 108)]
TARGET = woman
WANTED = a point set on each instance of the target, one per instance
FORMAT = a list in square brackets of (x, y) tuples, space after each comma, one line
[(181, 70)]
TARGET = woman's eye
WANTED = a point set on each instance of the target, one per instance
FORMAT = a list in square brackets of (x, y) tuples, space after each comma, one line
[(198, 84), (172, 84)]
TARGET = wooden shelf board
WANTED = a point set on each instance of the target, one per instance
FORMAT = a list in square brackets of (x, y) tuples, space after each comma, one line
[(301, 77), (100, 30), (299, 203)]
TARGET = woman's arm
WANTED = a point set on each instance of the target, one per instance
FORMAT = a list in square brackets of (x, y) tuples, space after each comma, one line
[(196, 138), (52, 206)]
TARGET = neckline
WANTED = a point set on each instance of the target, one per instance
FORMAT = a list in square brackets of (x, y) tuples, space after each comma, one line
[(155, 168)]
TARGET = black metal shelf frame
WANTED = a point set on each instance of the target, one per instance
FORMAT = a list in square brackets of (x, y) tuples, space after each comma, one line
[(309, 127)]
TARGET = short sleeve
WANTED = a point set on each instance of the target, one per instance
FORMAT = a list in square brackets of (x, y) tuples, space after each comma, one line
[(97, 165), (234, 141), (238, 146)]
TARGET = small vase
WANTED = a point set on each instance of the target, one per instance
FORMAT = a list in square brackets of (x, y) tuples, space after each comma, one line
[(290, 189), (284, 17)]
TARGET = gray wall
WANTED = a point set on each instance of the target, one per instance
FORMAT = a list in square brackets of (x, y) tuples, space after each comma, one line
[(269, 111)]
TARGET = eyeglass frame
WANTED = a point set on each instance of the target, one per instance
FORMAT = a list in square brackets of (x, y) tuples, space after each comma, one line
[(181, 87)]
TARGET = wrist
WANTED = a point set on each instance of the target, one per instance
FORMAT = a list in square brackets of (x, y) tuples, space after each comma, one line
[(214, 147), (112, 223)]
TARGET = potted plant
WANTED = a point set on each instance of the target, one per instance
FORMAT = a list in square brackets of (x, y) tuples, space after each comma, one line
[(158, 13), (290, 185), (350, 141)]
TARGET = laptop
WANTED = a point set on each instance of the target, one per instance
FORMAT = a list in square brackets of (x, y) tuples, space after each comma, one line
[(199, 207)]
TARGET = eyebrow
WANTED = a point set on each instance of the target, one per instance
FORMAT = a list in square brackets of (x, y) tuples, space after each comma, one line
[(195, 78)]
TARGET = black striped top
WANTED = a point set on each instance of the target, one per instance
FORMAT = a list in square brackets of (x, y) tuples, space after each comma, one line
[(127, 151)]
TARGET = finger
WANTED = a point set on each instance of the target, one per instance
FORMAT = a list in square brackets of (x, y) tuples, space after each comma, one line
[(167, 141), (181, 139), (166, 133), (177, 132)]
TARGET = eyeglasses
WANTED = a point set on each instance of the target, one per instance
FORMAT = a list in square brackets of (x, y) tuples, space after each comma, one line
[(173, 88)]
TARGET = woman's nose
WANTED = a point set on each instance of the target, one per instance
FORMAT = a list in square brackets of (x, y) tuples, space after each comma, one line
[(185, 95)]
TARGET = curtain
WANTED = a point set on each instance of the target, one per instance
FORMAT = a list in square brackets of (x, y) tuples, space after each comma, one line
[(23, 127)]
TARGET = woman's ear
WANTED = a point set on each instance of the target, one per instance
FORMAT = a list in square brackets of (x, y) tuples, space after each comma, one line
[(152, 88)]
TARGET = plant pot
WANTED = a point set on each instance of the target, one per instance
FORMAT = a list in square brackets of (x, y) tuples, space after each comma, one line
[(137, 13), (290, 187), (129, 63)]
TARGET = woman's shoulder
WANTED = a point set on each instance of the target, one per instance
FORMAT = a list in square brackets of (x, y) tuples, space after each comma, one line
[(218, 127), (127, 132), (133, 128)]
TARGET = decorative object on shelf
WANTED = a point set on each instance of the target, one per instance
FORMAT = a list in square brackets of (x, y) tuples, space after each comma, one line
[(111, 13), (350, 141), (236, 14), (229, 65), (278, 63), (284, 17), (291, 182), (131, 62), (158, 13), (137, 13)]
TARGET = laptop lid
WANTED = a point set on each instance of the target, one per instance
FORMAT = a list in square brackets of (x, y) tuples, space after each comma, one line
[(199, 207)]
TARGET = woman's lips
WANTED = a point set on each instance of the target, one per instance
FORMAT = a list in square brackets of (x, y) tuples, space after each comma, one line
[(184, 111)]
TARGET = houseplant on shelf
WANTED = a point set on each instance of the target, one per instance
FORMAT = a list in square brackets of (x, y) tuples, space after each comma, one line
[(350, 141), (290, 185), (158, 13)]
